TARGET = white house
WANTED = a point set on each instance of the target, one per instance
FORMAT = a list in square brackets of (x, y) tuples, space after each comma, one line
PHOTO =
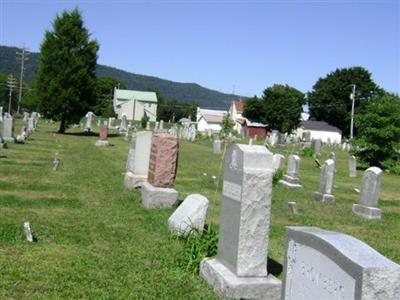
[(235, 112), (320, 130), (209, 119), (134, 104)]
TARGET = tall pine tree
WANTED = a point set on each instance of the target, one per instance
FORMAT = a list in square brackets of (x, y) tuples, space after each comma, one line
[(66, 78)]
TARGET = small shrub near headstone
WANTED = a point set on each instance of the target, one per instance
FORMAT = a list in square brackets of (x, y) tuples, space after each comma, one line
[(278, 175), (307, 152)]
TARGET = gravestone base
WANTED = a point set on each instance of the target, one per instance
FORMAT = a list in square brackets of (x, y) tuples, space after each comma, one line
[(156, 197), (9, 139), (132, 180), (229, 285), (305, 145), (100, 143), (290, 182), (323, 197), (3, 145), (367, 212)]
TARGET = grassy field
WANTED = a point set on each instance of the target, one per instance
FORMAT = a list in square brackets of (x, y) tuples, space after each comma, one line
[(95, 240)]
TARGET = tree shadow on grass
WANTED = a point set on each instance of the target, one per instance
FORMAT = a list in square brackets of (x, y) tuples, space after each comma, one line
[(274, 267), (112, 135)]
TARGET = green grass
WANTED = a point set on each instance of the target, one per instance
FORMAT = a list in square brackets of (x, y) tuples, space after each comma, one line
[(96, 241)]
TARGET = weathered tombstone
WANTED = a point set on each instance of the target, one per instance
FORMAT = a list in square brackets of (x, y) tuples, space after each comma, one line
[(190, 215), (110, 123), (278, 161), (1, 113), (26, 116), (148, 125), (240, 268), (161, 125), (156, 126), (291, 178), (56, 162), (273, 138), (217, 147), (317, 145), (352, 166), (163, 160), (367, 206), (89, 118), (28, 232), (123, 126), (8, 128), (103, 137), (250, 142), (332, 156), (293, 208), (326, 182), (31, 125), (137, 165), (326, 265), (21, 137)]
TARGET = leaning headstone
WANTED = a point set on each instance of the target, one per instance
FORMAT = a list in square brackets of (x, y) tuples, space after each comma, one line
[(278, 161), (190, 215), (293, 208), (367, 206), (163, 160), (327, 265), (291, 178), (326, 182), (28, 232), (137, 165), (103, 138), (352, 166), (240, 268), (8, 128), (217, 147)]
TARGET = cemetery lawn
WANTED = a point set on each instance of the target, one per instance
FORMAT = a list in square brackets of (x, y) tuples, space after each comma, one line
[(95, 240)]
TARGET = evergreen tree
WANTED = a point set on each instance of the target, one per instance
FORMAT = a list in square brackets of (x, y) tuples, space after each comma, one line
[(66, 77)]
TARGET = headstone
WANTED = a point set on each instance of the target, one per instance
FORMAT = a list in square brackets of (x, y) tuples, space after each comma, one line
[(31, 125), (148, 125), (26, 116), (240, 268), (217, 147), (250, 142), (317, 145), (307, 136), (103, 136), (21, 137), (123, 126), (326, 182), (110, 123), (367, 206), (163, 160), (273, 138), (156, 126), (352, 166), (1, 113), (190, 215), (277, 161), (28, 232), (137, 165), (326, 265), (291, 178), (293, 208), (8, 128), (89, 118), (161, 125), (156, 197), (332, 156), (56, 162)]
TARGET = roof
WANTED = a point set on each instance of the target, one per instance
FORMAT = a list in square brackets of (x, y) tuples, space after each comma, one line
[(239, 105), (319, 126), (212, 115), (213, 118), (122, 95), (252, 122)]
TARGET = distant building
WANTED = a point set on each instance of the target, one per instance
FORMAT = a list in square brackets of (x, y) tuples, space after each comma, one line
[(253, 127), (209, 119), (134, 104), (236, 113), (320, 130)]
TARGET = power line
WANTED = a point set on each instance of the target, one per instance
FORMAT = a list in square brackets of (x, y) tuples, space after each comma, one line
[(21, 56), (11, 83)]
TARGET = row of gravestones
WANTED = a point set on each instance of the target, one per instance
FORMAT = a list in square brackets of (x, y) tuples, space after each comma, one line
[(367, 206), (319, 264), (7, 133)]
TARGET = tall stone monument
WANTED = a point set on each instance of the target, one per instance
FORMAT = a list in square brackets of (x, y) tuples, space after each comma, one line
[(326, 182), (240, 268), (352, 166), (89, 119), (291, 178), (8, 128), (327, 265), (367, 206), (137, 165)]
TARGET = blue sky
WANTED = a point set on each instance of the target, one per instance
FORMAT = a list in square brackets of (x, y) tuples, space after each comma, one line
[(226, 45)]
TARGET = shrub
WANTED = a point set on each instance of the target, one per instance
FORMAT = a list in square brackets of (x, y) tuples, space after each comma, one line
[(307, 152), (277, 176)]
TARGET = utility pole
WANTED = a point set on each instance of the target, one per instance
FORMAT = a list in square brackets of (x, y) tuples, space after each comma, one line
[(11, 83), (353, 98), (21, 56)]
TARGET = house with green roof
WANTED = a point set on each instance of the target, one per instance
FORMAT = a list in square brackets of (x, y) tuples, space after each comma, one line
[(135, 104)]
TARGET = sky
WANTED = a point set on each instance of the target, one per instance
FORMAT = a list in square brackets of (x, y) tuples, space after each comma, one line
[(230, 46)]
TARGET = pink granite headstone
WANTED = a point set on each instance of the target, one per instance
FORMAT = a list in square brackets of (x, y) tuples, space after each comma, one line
[(103, 133)]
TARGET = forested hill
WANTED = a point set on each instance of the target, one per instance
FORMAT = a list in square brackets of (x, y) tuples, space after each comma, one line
[(169, 89)]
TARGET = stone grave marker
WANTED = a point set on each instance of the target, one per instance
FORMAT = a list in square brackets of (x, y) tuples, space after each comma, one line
[(291, 178), (89, 118), (326, 182), (124, 125), (317, 145), (240, 268), (137, 165), (217, 147), (326, 265), (163, 160), (367, 206), (352, 166), (190, 215), (28, 232), (293, 208), (1, 113), (278, 161), (8, 128), (103, 136)]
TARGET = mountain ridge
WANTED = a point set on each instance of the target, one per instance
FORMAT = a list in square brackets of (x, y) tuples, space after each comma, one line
[(180, 91)]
